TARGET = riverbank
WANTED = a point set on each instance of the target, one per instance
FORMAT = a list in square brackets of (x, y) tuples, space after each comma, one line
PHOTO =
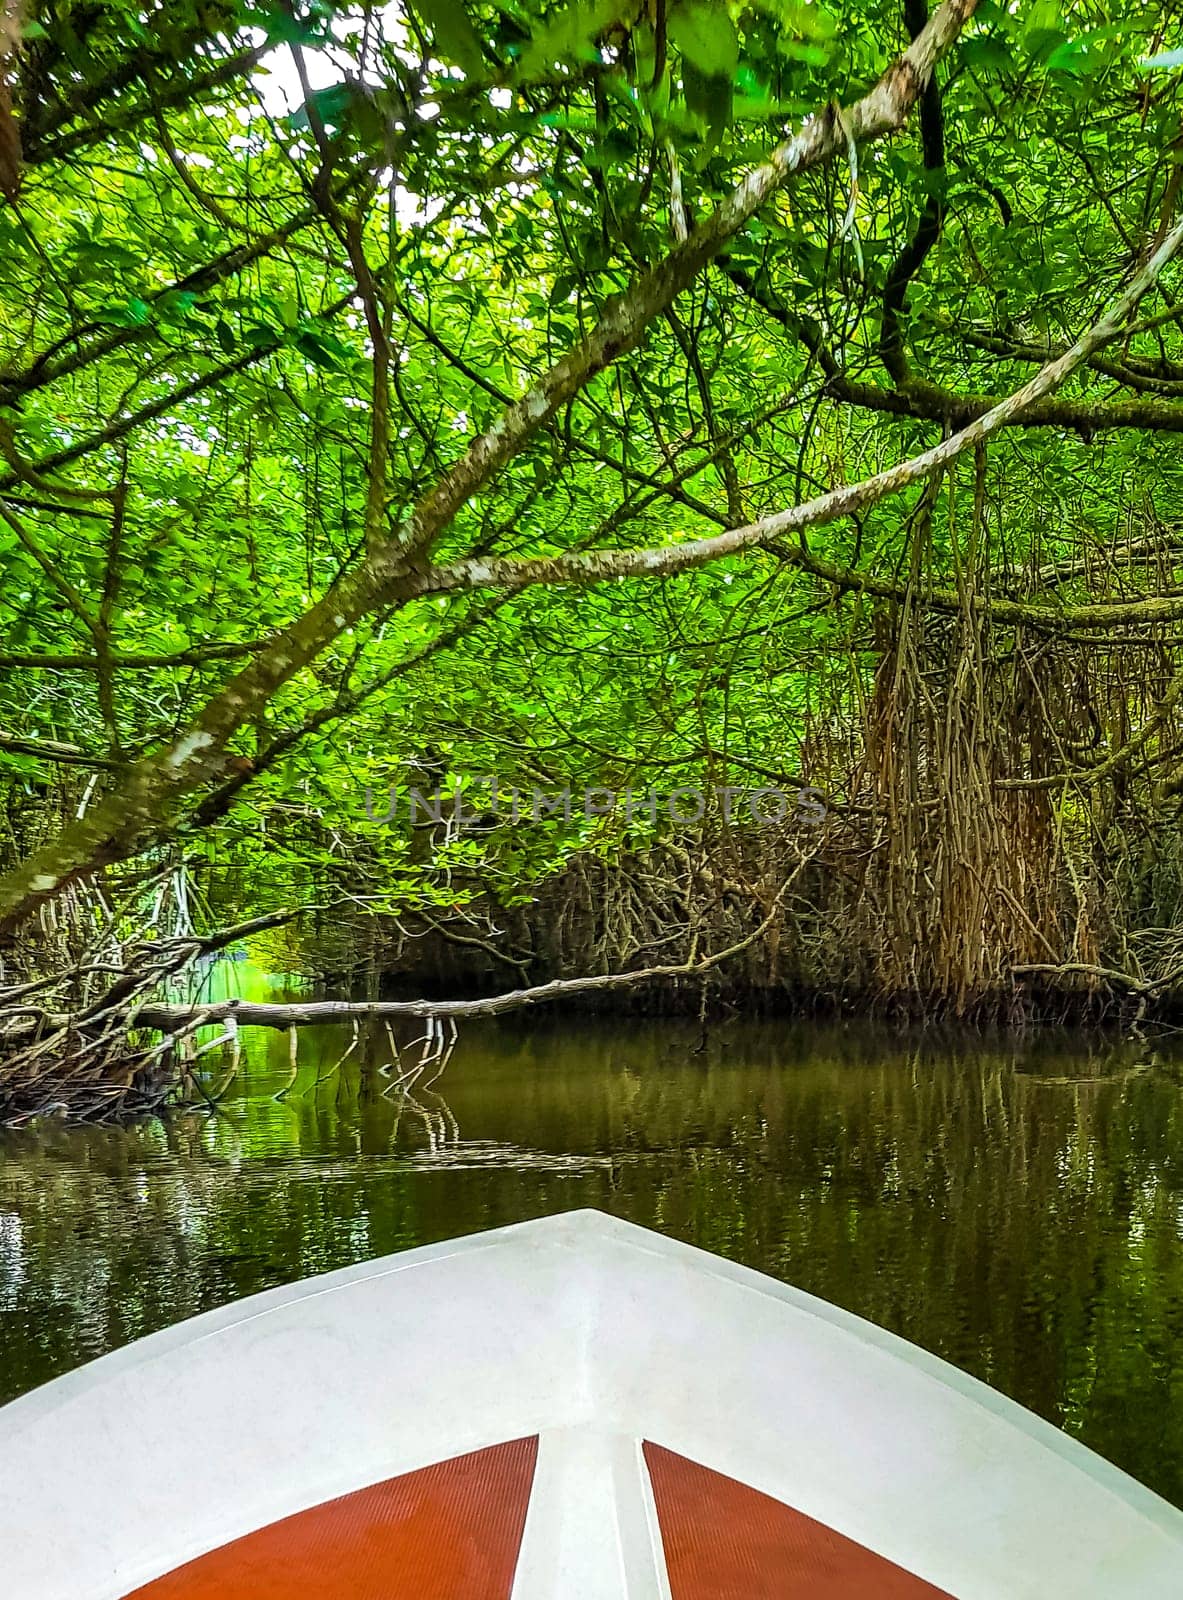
[(756, 925)]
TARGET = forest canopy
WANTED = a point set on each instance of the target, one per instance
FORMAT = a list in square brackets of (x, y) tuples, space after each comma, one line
[(638, 396)]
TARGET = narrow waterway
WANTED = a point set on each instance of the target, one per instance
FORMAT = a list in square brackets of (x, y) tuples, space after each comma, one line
[(1018, 1211)]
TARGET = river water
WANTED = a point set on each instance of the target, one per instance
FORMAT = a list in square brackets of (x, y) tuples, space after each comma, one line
[(1017, 1210)]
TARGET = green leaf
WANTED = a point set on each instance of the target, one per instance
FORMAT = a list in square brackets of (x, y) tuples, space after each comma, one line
[(283, 26), (570, 35), (745, 108), (562, 290), (314, 351), (1042, 43), (809, 21), (812, 54), (332, 105), (1044, 14), (708, 97), (133, 313), (322, 347), (452, 34), (1070, 56), (706, 36), (986, 53), (177, 304)]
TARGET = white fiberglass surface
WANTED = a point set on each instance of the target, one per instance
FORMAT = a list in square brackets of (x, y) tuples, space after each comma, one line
[(594, 1334)]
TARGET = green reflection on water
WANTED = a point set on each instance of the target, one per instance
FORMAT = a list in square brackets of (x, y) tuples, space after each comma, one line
[(1019, 1213)]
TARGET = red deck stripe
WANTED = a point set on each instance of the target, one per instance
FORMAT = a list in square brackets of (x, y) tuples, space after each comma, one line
[(724, 1541), (447, 1532)]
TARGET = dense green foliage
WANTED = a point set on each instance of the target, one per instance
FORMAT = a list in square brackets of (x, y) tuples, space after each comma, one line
[(266, 271)]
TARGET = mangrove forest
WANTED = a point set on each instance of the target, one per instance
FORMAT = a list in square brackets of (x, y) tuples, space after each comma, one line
[(635, 506)]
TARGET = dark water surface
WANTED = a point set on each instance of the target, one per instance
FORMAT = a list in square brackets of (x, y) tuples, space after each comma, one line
[(1018, 1211)]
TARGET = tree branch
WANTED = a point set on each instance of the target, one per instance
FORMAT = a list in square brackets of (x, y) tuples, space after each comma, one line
[(598, 566), (911, 258)]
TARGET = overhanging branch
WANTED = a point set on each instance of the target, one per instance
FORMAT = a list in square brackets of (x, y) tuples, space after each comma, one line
[(598, 566)]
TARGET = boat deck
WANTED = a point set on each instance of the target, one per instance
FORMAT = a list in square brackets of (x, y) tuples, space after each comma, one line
[(454, 1531)]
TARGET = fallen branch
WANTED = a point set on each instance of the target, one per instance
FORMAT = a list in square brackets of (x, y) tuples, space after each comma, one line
[(65, 755), (301, 1014), (1111, 975), (1085, 969)]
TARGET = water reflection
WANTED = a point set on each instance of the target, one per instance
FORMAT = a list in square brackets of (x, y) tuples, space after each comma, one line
[(1020, 1214)]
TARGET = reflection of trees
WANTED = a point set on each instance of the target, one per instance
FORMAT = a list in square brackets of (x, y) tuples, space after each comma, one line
[(1020, 1216)]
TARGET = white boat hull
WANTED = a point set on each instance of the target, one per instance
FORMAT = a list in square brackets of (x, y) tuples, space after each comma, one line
[(595, 1336)]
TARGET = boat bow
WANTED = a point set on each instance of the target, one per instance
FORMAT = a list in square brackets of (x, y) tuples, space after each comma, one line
[(606, 1412)]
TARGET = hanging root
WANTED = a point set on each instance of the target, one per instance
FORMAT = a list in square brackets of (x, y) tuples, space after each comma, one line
[(73, 1036)]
